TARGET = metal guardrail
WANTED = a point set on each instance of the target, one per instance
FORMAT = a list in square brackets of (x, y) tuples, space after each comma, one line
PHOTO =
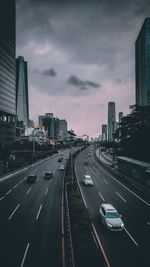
[(70, 254)]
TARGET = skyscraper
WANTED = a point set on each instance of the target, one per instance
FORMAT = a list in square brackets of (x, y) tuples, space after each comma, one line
[(111, 120), (22, 102), (120, 115), (142, 64), (104, 132), (7, 71)]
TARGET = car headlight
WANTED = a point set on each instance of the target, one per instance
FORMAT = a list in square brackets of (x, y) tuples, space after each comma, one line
[(109, 225), (122, 225)]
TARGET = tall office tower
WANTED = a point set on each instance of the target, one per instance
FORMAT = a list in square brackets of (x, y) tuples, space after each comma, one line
[(7, 71), (22, 102), (120, 115), (142, 65), (47, 121), (104, 132), (62, 129), (111, 120)]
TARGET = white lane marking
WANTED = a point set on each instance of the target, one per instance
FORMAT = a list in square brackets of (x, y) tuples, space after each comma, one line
[(105, 181), (15, 186), (8, 192), (121, 197), (127, 188), (1, 198), (131, 237), (28, 191), (101, 196), (148, 223), (37, 179), (46, 191), (14, 211), (39, 212), (25, 254)]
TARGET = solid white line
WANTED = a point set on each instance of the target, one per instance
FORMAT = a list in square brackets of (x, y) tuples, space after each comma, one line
[(127, 188), (105, 181), (101, 196), (131, 237), (25, 254), (28, 191), (121, 197), (1, 198), (148, 223), (46, 191), (39, 212), (8, 192), (14, 211)]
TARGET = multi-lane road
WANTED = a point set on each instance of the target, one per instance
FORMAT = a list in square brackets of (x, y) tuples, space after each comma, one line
[(30, 217), (130, 247)]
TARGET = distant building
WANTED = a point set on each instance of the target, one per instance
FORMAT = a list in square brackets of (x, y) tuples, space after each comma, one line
[(111, 120), (142, 64), (104, 132), (31, 123), (120, 116), (62, 129), (22, 102), (47, 121), (38, 135), (7, 71)]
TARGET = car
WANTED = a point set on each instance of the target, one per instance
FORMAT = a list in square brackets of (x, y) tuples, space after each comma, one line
[(32, 178), (61, 167), (87, 180), (60, 159), (111, 218), (48, 175)]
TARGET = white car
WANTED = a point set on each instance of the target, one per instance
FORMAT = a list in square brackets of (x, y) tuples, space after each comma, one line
[(61, 167), (111, 218), (87, 180)]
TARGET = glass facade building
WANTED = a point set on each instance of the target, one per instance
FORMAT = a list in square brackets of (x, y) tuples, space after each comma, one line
[(104, 132), (111, 120), (22, 102), (142, 65), (7, 71)]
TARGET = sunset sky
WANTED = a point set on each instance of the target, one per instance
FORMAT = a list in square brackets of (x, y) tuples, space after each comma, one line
[(80, 56)]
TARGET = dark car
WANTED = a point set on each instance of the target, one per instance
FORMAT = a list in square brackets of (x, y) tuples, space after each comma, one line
[(32, 178), (60, 159), (48, 175)]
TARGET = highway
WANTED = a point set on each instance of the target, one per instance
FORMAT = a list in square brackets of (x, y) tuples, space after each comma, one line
[(30, 217), (130, 247)]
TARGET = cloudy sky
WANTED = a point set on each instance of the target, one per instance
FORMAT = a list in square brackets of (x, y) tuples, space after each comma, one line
[(80, 56)]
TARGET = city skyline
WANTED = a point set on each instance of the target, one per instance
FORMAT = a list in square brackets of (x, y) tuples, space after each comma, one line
[(75, 69)]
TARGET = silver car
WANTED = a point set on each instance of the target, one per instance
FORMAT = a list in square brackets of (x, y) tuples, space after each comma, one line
[(87, 180), (111, 218)]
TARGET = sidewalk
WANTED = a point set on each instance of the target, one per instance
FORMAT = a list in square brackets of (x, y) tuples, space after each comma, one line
[(105, 158)]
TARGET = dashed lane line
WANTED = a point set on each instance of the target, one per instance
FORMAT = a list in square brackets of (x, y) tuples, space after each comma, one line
[(2, 198), (148, 204), (25, 255), (39, 212), (121, 197), (14, 212), (105, 181), (28, 191), (46, 191), (131, 237), (9, 192), (101, 196)]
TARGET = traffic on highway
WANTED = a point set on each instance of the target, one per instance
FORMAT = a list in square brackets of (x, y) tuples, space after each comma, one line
[(120, 213), (31, 221)]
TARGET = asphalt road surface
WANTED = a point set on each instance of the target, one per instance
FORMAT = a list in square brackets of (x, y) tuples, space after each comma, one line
[(130, 247), (30, 217)]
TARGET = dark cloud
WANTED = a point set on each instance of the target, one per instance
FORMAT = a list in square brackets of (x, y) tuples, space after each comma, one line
[(81, 84), (50, 72)]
